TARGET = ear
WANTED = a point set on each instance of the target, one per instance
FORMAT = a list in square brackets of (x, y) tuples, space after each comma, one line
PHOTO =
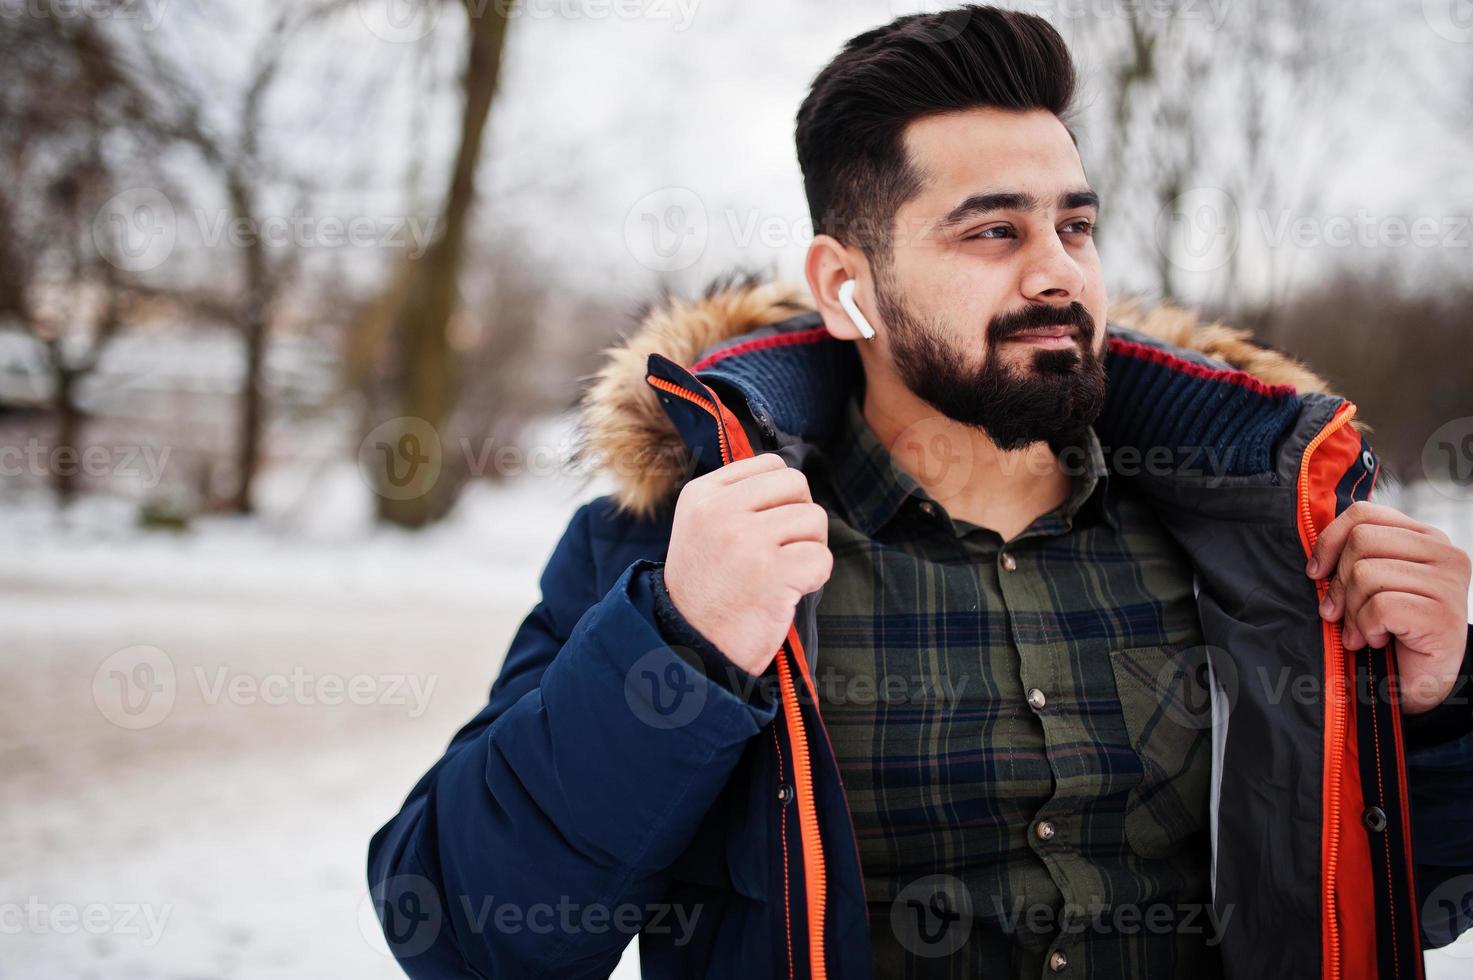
[(829, 264)]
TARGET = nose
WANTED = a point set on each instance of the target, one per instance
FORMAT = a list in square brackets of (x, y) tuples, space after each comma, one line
[(1052, 274)]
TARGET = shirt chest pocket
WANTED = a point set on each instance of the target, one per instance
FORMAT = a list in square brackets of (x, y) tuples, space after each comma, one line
[(1168, 720)]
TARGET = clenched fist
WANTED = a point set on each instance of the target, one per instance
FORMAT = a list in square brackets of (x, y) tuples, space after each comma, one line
[(747, 543), (1397, 577)]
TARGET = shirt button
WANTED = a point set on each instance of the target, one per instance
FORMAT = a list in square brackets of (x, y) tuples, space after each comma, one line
[(1057, 961), (928, 508), (1036, 699), (1044, 829), (1009, 563)]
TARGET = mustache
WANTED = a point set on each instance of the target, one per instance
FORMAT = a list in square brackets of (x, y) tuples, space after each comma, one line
[(1006, 325)]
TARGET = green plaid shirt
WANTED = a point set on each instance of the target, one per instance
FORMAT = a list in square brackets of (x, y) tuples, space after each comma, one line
[(1027, 772)]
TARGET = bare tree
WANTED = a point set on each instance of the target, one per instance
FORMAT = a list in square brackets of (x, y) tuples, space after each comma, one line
[(245, 172), (431, 295), (1200, 96), (63, 99)]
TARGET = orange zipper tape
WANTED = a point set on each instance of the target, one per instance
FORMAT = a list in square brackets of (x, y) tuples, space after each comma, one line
[(734, 445)]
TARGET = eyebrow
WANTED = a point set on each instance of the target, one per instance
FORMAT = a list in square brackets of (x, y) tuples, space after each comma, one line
[(981, 204)]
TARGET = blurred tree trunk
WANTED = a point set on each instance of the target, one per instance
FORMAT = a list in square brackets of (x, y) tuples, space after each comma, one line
[(67, 374), (428, 383), (253, 319), (261, 282), (69, 421)]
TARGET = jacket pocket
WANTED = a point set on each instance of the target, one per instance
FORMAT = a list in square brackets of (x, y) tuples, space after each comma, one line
[(1168, 719)]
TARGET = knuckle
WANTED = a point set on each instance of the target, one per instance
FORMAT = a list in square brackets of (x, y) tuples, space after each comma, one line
[(774, 480), (805, 564), (760, 465), (797, 483), (820, 564), (791, 484)]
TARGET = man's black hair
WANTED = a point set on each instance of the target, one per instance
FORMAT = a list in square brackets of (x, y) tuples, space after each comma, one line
[(850, 126)]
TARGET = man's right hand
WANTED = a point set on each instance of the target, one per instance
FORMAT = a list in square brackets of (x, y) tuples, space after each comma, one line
[(747, 543)]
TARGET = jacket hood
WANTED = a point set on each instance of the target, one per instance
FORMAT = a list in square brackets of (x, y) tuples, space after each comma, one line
[(622, 418)]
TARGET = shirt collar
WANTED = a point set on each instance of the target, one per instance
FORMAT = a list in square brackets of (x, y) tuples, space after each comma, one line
[(872, 487)]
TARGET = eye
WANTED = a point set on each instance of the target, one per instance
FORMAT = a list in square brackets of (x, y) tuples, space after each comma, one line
[(992, 232), (1080, 226)]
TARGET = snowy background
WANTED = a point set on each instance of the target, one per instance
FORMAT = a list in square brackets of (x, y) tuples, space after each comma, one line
[(309, 661), (217, 834)]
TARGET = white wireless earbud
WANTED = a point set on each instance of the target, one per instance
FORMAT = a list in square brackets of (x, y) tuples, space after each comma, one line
[(846, 300)]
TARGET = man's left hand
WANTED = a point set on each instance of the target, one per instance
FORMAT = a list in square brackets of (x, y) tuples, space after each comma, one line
[(1394, 576)]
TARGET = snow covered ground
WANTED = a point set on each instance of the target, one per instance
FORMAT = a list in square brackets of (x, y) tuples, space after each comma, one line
[(305, 669), (305, 673)]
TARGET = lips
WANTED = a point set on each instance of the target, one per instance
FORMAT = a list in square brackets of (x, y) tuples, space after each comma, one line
[(1047, 333)]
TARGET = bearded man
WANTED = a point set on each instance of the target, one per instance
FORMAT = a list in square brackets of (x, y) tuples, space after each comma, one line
[(941, 624)]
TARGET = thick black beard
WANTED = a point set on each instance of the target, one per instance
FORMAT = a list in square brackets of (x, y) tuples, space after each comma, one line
[(1058, 398)]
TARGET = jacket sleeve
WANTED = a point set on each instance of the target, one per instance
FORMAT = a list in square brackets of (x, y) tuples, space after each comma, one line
[(1440, 780), (540, 841)]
